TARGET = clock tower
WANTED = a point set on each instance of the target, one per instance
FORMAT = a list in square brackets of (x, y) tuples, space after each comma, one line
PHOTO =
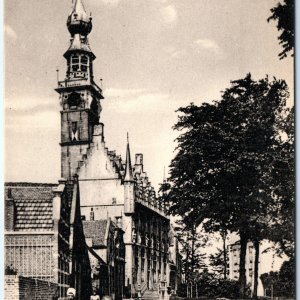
[(79, 95)]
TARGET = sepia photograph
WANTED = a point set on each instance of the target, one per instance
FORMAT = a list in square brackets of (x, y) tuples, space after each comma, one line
[(149, 150)]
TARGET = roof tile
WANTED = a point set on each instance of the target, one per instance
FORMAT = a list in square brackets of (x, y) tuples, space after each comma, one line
[(33, 203), (96, 231)]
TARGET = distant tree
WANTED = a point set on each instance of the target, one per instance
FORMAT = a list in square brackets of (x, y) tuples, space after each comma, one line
[(287, 278), (282, 283), (212, 287), (218, 261), (191, 242), (284, 14), (224, 151)]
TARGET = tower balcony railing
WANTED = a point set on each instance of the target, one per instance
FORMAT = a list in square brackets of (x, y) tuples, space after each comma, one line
[(72, 83)]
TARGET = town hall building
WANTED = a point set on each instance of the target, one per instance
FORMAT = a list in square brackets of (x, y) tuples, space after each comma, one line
[(110, 187), (103, 227)]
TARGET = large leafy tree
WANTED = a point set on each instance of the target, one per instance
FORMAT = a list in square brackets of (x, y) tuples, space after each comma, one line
[(284, 14), (224, 151), (282, 184)]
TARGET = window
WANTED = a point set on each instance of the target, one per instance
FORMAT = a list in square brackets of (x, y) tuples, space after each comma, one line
[(79, 63), (75, 63), (84, 63), (84, 60), (74, 132), (114, 200)]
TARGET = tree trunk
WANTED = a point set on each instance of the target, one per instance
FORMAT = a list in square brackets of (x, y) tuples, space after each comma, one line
[(242, 277), (193, 232), (225, 255), (256, 261)]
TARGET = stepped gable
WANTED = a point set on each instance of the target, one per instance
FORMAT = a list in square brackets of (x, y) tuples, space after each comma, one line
[(33, 205), (116, 160), (144, 190), (96, 231)]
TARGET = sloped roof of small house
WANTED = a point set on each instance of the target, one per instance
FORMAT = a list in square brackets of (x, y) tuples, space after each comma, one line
[(33, 204), (95, 230)]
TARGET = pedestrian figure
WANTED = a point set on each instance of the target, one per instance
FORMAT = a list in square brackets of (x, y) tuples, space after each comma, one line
[(95, 296), (71, 293), (173, 295)]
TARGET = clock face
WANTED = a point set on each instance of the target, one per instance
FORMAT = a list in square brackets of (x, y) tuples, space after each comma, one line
[(74, 99)]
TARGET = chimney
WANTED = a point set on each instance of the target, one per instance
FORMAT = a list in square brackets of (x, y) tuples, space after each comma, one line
[(138, 166), (99, 131)]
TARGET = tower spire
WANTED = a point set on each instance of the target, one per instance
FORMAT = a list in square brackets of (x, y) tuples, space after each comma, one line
[(79, 95), (78, 21), (128, 169)]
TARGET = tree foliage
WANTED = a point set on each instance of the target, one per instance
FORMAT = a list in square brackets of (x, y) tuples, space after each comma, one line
[(282, 283), (220, 175), (212, 287), (219, 260), (191, 242), (284, 14), (282, 185)]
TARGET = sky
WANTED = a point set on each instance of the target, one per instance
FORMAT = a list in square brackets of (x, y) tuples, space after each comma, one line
[(154, 56)]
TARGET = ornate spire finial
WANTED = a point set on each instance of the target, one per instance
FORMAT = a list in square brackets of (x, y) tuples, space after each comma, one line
[(128, 169), (78, 21)]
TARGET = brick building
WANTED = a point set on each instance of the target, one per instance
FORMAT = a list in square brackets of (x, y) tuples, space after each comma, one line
[(44, 234), (109, 186)]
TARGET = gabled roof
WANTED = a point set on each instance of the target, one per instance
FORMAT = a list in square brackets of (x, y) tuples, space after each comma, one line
[(96, 230), (33, 205), (100, 260)]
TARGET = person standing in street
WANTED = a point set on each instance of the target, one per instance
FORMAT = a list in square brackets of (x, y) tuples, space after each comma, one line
[(71, 293), (95, 296)]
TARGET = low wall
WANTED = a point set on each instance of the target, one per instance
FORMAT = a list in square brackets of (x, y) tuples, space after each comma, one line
[(25, 288)]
